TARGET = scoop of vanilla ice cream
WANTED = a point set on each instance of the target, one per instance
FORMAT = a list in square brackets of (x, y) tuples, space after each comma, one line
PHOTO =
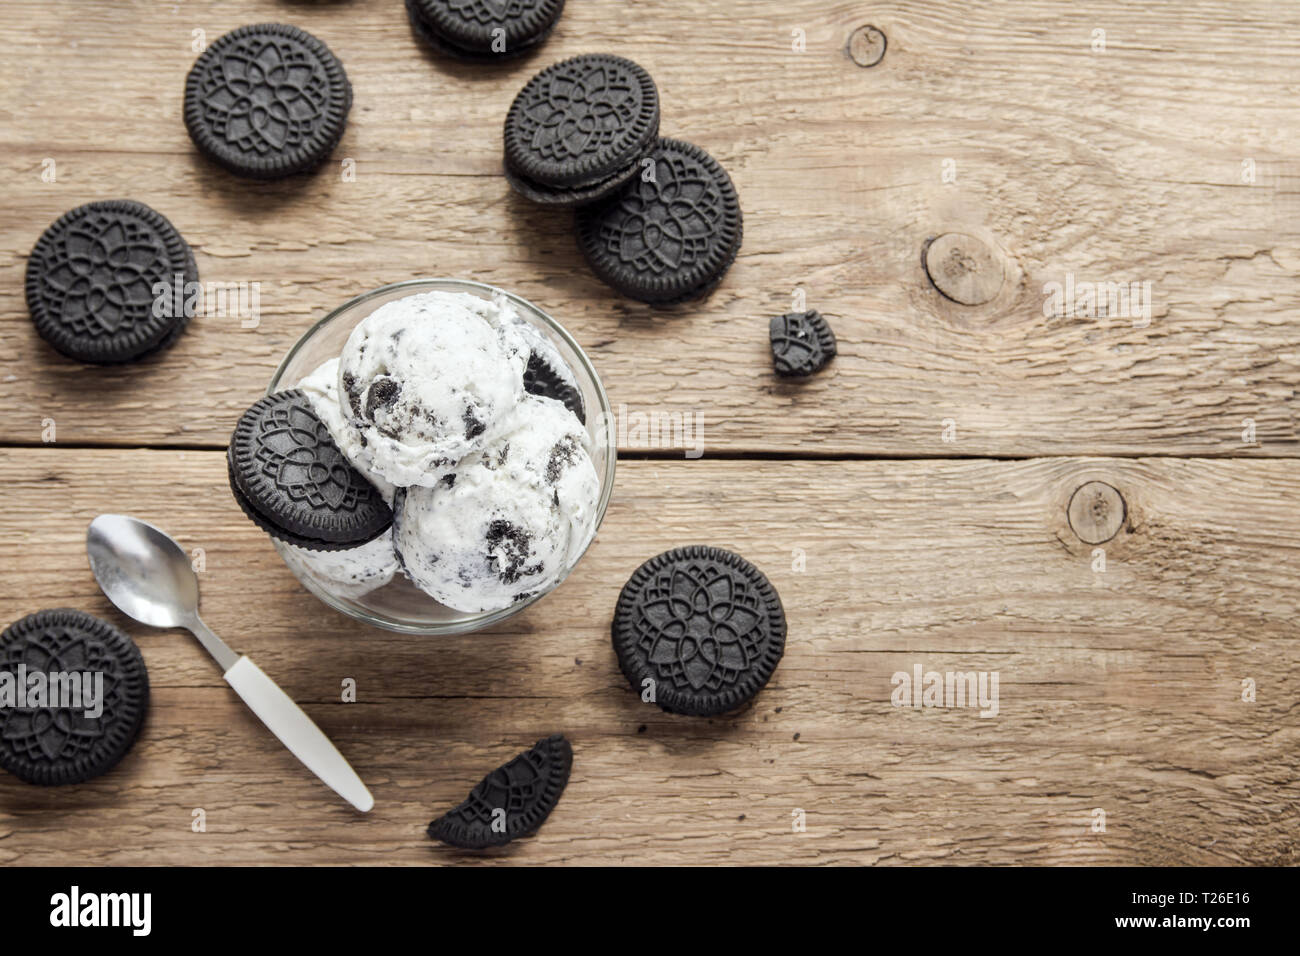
[(427, 380), (510, 521), (353, 573), (549, 448), (322, 390)]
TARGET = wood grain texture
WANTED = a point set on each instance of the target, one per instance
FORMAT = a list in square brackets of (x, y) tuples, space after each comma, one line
[(1122, 165), (1120, 690)]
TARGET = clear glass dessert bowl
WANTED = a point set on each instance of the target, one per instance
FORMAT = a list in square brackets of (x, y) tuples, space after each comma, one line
[(400, 605)]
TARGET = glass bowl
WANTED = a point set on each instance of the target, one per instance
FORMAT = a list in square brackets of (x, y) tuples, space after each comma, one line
[(400, 605)]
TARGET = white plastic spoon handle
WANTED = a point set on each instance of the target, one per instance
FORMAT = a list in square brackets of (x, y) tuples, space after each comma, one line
[(296, 731)]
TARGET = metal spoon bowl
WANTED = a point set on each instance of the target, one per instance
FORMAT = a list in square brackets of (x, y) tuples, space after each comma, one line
[(149, 577)]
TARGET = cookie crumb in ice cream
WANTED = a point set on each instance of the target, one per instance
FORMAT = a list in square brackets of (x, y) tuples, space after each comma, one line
[(381, 394), (509, 547), (473, 425), (563, 454)]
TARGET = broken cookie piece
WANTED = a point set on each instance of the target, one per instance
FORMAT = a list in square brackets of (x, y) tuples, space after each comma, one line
[(802, 343), (510, 802)]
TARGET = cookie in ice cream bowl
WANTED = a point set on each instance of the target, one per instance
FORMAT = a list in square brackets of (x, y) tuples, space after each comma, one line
[(483, 425)]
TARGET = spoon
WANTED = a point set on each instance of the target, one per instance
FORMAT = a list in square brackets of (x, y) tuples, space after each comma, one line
[(148, 576)]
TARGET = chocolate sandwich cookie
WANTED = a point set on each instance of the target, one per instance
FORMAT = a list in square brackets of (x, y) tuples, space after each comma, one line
[(802, 343), (294, 482), (670, 234), (541, 379), (484, 31), (578, 130), (266, 101), (108, 282), (510, 802), (73, 695), (698, 630)]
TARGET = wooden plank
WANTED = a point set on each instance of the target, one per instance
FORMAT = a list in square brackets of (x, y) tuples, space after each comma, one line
[(1122, 165), (1119, 689)]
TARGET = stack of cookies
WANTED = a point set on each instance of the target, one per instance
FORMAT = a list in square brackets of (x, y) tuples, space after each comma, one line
[(658, 219)]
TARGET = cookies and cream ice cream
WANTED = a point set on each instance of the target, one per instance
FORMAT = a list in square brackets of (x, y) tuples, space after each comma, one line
[(425, 381), (353, 573), (493, 489), (322, 389), (510, 521)]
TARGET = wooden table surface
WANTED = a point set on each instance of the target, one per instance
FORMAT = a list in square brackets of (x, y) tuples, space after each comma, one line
[(909, 503)]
